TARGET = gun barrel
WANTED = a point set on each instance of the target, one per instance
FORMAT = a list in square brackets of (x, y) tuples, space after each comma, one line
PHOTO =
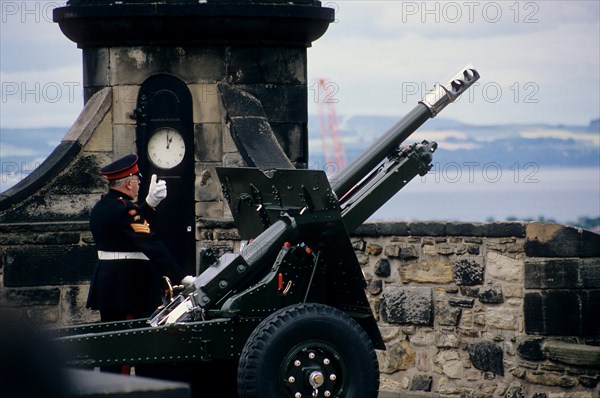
[(431, 104)]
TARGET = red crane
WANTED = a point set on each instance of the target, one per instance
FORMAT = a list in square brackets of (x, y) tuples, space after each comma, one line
[(333, 145)]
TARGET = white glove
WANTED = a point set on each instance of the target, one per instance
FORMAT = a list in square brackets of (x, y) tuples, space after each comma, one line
[(157, 191), (188, 281)]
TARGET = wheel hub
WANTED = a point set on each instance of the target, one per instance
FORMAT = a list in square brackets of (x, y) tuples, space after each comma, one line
[(312, 371)]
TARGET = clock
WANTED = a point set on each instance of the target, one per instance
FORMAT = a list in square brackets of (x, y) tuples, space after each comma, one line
[(166, 148)]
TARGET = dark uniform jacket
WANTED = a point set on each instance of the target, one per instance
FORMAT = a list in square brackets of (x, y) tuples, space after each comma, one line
[(125, 285)]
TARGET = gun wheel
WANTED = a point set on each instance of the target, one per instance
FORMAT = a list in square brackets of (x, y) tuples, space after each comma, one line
[(308, 350)]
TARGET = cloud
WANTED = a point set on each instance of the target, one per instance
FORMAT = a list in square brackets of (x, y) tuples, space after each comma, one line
[(28, 25), (539, 60), (41, 98), (7, 150), (547, 71)]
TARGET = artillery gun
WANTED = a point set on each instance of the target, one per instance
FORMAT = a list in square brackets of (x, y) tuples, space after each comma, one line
[(289, 309)]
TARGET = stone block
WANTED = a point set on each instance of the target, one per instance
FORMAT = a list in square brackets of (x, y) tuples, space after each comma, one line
[(52, 208), (229, 144), (102, 138), (421, 383), (72, 306), (366, 229), (407, 305), (393, 228), (208, 142), (382, 268), (473, 249), (468, 271), (465, 229), (572, 354), (426, 229), (461, 302), (504, 268), (530, 348), (281, 103), (491, 295), (409, 252), (373, 249), (392, 250), (207, 185), (551, 379), (487, 357), (501, 229), (427, 270), (124, 139), (501, 317), (555, 240), (589, 382), (515, 392), (124, 103), (60, 226), (96, 67), (359, 244), (48, 265), (24, 297), (247, 65), (445, 249), (233, 159), (562, 273), (446, 315), (397, 357), (292, 139), (206, 101), (562, 312), (133, 65), (375, 287), (590, 244), (209, 209)]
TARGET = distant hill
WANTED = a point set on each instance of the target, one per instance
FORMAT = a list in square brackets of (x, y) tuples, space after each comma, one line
[(544, 145), (21, 150)]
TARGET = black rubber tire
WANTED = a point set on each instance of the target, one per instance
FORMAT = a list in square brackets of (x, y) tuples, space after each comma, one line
[(308, 339)]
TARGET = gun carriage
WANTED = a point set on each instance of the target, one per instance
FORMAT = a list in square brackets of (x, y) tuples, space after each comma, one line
[(289, 309)]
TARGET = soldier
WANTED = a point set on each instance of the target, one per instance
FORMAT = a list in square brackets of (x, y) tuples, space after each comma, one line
[(131, 260)]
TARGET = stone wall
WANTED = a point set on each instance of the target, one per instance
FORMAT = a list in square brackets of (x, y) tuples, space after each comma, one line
[(485, 310), (471, 310)]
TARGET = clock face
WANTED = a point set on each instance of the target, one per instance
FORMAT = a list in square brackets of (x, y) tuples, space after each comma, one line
[(166, 148)]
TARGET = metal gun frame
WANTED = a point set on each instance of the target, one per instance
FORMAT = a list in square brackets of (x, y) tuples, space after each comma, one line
[(294, 295)]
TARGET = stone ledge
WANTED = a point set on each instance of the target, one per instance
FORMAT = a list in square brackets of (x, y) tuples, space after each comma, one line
[(434, 228), (573, 354), (37, 227), (61, 265), (29, 297), (556, 240)]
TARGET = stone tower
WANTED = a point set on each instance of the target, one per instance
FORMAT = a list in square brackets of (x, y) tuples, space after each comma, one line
[(228, 77)]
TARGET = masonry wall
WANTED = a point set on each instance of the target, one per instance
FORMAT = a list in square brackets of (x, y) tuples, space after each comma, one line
[(485, 310), (466, 310)]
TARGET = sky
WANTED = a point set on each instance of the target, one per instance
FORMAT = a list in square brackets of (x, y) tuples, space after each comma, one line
[(539, 60)]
